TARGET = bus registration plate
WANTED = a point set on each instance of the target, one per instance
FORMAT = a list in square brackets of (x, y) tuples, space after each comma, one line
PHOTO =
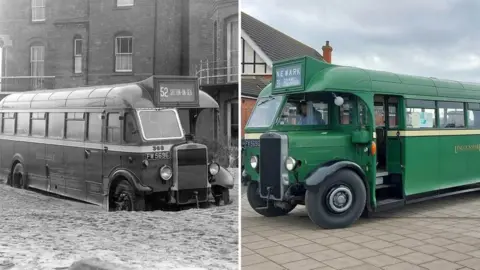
[(158, 155)]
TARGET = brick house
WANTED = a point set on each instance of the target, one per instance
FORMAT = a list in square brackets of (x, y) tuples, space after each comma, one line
[(71, 43), (262, 45)]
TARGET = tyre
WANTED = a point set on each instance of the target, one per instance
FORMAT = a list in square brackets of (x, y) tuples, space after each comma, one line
[(255, 201), (18, 177), (125, 199), (339, 201)]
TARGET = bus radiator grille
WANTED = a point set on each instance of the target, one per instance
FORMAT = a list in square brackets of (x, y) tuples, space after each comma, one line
[(270, 166), (192, 169)]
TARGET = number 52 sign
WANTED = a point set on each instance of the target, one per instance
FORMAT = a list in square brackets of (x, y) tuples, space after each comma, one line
[(176, 92)]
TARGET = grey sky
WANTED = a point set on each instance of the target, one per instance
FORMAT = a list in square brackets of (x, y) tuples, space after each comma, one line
[(435, 38)]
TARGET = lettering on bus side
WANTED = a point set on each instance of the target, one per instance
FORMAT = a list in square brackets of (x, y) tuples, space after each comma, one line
[(463, 148)]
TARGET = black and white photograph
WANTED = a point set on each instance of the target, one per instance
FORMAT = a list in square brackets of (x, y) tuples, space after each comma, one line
[(119, 137)]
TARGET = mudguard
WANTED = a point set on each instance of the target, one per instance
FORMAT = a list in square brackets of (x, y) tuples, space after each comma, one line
[(224, 179), (134, 181), (317, 176)]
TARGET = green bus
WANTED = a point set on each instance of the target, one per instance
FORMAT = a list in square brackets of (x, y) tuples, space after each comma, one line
[(345, 141), (126, 147)]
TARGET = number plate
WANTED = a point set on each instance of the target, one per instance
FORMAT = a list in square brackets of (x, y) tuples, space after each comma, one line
[(158, 155)]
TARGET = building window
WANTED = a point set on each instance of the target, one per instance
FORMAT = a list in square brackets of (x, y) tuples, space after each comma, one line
[(232, 50), (77, 55), (37, 65), (232, 121), (123, 54), (38, 10), (125, 3)]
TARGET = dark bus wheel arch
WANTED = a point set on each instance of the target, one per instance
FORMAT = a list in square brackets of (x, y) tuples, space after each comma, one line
[(256, 201), (315, 179), (121, 187), (18, 176), (317, 202)]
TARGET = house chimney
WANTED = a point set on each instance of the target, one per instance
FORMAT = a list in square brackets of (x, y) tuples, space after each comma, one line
[(327, 52)]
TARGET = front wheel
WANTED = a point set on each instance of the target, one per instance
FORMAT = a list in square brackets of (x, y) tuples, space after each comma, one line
[(258, 204), (339, 201), (125, 199)]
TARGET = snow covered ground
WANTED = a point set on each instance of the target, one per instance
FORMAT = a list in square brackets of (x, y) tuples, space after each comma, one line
[(44, 232)]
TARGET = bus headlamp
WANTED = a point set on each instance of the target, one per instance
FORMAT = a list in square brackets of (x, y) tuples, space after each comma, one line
[(254, 161), (166, 173), (290, 164), (213, 168)]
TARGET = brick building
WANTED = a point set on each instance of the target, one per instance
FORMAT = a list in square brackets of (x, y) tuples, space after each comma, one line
[(262, 45), (70, 43)]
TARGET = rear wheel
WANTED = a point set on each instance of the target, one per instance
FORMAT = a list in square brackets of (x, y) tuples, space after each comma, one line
[(18, 176), (125, 199), (258, 204), (339, 201)]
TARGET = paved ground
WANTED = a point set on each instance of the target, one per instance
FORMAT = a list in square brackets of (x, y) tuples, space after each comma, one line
[(437, 235), (43, 232)]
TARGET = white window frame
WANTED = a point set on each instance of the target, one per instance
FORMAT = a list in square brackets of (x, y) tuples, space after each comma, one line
[(37, 82), (230, 65), (38, 5), (77, 56), (123, 54), (125, 5)]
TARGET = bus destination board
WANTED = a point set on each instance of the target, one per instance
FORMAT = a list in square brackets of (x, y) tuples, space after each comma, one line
[(176, 91), (288, 76)]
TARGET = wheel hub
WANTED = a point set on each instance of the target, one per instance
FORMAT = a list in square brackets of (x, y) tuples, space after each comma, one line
[(339, 199)]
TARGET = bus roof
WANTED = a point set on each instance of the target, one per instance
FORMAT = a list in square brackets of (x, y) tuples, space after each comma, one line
[(321, 76), (129, 95)]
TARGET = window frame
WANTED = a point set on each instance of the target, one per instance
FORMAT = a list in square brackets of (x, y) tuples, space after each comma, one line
[(232, 61), (9, 116), (77, 55), (420, 104), (75, 117), (124, 5), (63, 127), (464, 111), (37, 116), (108, 128), (117, 54), (87, 127), (28, 116), (34, 7)]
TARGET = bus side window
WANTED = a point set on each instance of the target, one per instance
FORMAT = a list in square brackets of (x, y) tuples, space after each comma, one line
[(420, 113), (75, 126), (9, 123), (451, 114), (1, 123), (56, 124), (473, 115), (113, 128), (131, 131), (38, 125), (94, 127)]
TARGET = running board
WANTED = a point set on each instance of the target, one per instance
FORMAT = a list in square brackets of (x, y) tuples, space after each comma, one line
[(388, 204)]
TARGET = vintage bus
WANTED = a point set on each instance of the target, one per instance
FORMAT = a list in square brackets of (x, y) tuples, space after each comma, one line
[(121, 146), (345, 141)]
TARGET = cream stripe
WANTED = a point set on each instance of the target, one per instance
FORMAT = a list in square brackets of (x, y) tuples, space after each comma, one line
[(253, 136), (88, 145), (423, 133)]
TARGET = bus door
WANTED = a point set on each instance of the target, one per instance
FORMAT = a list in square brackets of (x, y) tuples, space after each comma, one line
[(55, 163), (93, 152), (389, 179)]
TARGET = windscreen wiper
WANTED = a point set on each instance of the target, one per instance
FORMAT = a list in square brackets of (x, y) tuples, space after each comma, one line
[(265, 101)]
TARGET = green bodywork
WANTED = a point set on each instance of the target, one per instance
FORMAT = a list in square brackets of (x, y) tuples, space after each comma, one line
[(425, 163)]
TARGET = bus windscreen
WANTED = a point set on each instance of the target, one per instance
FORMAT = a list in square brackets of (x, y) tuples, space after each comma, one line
[(160, 124)]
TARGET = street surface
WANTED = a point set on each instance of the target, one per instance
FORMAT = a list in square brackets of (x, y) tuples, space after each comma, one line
[(45, 232), (442, 234)]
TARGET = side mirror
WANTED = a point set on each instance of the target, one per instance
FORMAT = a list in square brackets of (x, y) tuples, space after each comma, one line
[(338, 101)]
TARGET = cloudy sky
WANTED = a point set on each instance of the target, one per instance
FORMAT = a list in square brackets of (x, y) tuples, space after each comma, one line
[(435, 38)]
